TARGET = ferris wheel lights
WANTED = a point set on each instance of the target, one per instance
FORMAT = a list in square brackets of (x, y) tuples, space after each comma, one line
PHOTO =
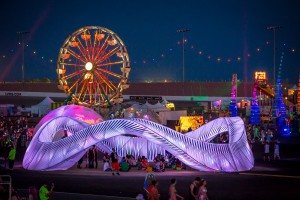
[(89, 66), (73, 43), (125, 86), (88, 76), (61, 71), (119, 54), (112, 42), (99, 36), (65, 56), (125, 69), (85, 36)]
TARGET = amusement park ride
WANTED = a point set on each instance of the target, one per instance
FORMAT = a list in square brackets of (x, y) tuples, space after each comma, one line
[(278, 112), (265, 89), (93, 67)]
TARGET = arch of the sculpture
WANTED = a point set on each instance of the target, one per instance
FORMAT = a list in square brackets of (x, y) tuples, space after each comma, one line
[(194, 148)]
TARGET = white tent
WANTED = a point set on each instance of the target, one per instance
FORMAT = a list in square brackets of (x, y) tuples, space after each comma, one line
[(42, 108), (158, 107)]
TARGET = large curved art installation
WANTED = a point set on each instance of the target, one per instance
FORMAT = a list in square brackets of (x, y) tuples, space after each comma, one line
[(48, 150)]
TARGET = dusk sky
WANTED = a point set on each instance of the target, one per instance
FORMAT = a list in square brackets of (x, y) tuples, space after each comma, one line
[(226, 37)]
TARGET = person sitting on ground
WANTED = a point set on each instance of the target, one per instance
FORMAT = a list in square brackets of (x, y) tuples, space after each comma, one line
[(145, 164), (124, 165), (162, 165), (178, 165), (157, 167), (139, 163), (106, 166), (167, 162), (172, 161), (132, 161)]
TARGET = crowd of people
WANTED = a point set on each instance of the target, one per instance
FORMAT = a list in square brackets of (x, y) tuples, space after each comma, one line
[(267, 137), (13, 132), (114, 163), (196, 191), (44, 193)]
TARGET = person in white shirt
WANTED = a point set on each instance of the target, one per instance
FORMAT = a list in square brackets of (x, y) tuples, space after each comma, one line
[(267, 151), (106, 167)]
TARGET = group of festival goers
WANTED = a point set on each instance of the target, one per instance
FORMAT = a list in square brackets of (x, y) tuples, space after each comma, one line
[(197, 190), (13, 132), (112, 162), (264, 135), (44, 192)]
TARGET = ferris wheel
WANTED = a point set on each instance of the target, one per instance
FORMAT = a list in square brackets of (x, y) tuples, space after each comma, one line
[(93, 67)]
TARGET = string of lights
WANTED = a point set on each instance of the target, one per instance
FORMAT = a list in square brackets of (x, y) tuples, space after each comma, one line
[(164, 54)]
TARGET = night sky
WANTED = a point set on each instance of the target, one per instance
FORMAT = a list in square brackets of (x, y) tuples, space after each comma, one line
[(222, 32)]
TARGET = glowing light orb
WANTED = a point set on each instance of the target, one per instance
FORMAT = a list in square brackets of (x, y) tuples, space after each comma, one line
[(88, 66)]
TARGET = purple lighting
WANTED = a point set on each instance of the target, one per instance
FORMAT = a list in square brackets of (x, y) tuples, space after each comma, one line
[(48, 151)]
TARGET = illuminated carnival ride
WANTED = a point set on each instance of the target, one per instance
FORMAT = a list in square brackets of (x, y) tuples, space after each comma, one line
[(93, 67)]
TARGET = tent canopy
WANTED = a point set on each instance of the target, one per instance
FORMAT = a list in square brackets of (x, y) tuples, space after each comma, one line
[(158, 107), (43, 107)]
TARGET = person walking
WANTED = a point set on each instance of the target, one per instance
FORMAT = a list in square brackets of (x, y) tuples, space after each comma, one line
[(154, 195), (44, 193), (114, 162), (202, 190), (11, 157), (194, 189), (172, 190)]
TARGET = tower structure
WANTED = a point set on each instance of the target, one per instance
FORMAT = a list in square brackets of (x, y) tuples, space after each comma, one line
[(255, 111), (233, 107), (279, 111)]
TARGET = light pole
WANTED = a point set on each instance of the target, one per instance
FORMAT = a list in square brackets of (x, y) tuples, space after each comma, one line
[(274, 28), (183, 41), (22, 33)]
